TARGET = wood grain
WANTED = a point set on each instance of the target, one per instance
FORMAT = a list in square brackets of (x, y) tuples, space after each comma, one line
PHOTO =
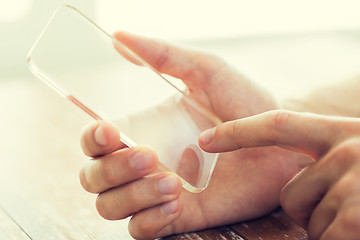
[(274, 226), (209, 234), (40, 161), (9, 229), (40, 190)]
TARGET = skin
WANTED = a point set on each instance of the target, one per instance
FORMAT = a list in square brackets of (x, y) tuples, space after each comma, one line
[(322, 101), (324, 198), (245, 184)]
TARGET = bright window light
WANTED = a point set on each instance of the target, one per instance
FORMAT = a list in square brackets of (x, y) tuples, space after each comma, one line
[(14, 10), (204, 19)]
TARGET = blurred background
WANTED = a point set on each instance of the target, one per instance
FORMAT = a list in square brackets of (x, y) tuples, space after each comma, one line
[(257, 36), (290, 46)]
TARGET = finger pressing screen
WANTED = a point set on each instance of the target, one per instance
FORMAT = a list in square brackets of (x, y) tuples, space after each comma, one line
[(310, 134)]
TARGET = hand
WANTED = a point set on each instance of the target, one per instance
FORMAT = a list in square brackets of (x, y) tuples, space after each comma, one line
[(244, 185), (325, 196)]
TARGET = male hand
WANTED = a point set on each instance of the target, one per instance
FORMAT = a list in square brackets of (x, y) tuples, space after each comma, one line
[(325, 196), (244, 185)]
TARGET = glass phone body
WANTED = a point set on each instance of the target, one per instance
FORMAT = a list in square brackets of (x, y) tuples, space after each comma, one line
[(76, 58)]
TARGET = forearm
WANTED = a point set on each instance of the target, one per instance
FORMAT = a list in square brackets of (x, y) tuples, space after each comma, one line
[(341, 100)]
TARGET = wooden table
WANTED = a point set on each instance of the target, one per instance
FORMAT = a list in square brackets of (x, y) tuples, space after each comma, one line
[(275, 226), (41, 197)]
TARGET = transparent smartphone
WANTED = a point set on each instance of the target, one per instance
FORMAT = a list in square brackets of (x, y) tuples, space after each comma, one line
[(77, 58)]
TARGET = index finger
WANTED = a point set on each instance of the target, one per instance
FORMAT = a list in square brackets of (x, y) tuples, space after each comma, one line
[(307, 133)]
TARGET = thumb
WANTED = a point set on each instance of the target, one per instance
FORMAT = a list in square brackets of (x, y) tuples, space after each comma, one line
[(310, 134), (100, 138), (190, 66)]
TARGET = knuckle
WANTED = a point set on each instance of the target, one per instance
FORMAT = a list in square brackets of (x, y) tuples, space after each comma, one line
[(163, 59), (217, 70), (232, 133), (279, 117), (233, 130)]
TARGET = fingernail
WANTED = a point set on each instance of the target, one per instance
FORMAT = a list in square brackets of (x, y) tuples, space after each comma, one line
[(168, 185), (142, 160), (100, 137), (207, 136), (170, 207)]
